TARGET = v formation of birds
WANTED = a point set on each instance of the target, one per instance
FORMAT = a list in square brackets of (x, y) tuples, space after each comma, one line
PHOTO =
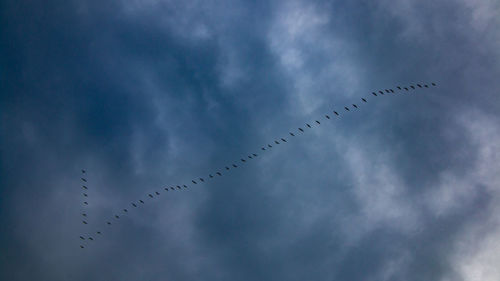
[(219, 173)]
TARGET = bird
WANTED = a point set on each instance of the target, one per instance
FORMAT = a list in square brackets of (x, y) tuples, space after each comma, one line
[(249, 156), (283, 139), (346, 108), (193, 181), (433, 84), (98, 232), (235, 166), (91, 239), (172, 188), (133, 204), (269, 145), (420, 86), (291, 134), (381, 92), (243, 160), (392, 91), (84, 180), (309, 126), (227, 168), (117, 216), (387, 91), (166, 188), (300, 129), (218, 173), (150, 195), (84, 214), (125, 210), (262, 148), (81, 246), (81, 237), (318, 122), (85, 202), (363, 99), (406, 89), (157, 193), (210, 176), (84, 222), (413, 87), (254, 155), (336, 113), (373, 93), (185, 186), (85, 194), (427, 86), (399, 88), (276, 142), (83, 171), (108, 223), (354, 105), (178, 187), (202, 179), (84, 187), (143, 201), (327, 117)]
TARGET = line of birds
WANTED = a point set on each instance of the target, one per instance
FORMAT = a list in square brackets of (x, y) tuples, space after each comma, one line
[(250, 156)]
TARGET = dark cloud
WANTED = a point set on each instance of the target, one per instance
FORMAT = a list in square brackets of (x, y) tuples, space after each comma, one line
[(150, 94)]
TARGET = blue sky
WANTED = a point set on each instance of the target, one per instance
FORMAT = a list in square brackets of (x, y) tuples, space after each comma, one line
[(150, 94)]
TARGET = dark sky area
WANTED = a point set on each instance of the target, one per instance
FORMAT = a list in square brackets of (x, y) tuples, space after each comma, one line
[(150, 94)]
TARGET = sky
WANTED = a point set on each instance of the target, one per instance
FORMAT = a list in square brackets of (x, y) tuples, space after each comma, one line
[(150, 94)]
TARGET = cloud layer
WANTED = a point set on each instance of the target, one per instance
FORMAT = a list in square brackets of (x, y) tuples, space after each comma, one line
[(148, 94)]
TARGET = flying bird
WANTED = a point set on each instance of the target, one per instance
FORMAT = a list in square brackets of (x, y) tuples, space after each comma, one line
[(413, 87), (363, 99), (300, 129), (309, 126), (133, 204), (406, 88), (83, 171), (433, 84), (150, 195), (392, 91), (399, 88), (283, 139), (318, 122), (327, 117), (172, 188), (202, 179), (262, 148), (81, 246), (117, 217), (426, 86), (250, 157), (373, 93), (227, 168), (219, 174), (254, 155), (166, 188), (85, 202), (157, 193), (178, 187), (336, 113), (346, 108), (98, 232), (81, 237), (276, 142), (84, 222), (125, 210), (243, 160), (210, 176), (354, 105), (185, 186), (85, 194), (91, 239), (84, 180), (143, 201), (84, 187), (420, 86), (235, 166), (269, 145), (387, 91), (108, 223), (85, 215), (381, 92), (193, 181), (291, 134)]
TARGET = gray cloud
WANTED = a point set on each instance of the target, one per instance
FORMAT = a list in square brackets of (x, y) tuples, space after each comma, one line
[(145, 94)]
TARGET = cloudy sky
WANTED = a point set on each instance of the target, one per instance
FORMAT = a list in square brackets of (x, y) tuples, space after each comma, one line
[(150, 94)]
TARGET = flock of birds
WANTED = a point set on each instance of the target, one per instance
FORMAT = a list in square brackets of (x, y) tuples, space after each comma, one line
[(234, 165)]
